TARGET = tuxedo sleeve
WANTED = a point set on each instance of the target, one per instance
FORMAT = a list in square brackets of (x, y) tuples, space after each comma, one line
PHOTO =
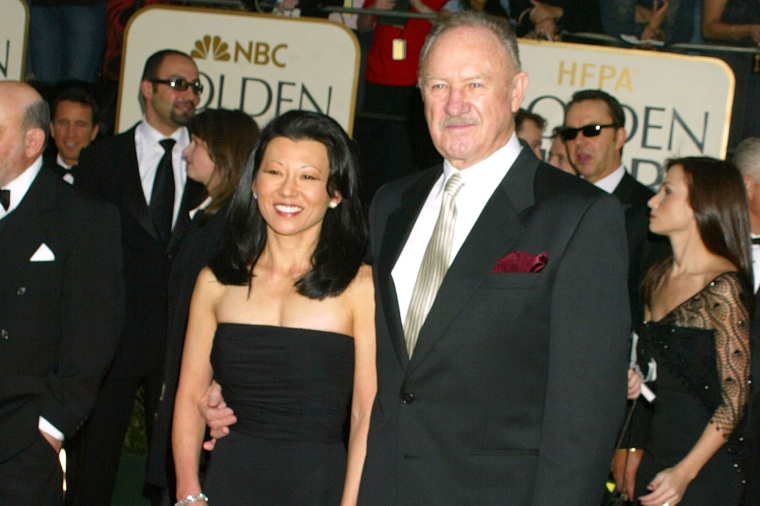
[(91, 315), (588, 347)]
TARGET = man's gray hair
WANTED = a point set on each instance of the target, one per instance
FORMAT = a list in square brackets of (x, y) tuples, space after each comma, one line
[(498, 26), (37, 115), (747, 158)]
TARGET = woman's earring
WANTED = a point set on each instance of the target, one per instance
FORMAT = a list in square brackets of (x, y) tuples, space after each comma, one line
[(255, 196), (333, 205)]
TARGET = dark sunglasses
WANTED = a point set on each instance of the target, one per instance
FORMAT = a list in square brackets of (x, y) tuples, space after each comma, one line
[(180, 84), (569, 134)]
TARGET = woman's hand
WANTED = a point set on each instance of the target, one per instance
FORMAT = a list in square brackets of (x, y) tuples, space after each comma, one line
[(669, 486), (634, 385)]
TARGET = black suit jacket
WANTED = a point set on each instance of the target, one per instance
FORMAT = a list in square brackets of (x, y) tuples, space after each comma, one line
[(59, 319), (200, 244), (644, 247), (51, 163), (109, 168), (516, 388)]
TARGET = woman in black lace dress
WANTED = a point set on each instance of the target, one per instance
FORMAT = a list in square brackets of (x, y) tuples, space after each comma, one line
[(694, 344)]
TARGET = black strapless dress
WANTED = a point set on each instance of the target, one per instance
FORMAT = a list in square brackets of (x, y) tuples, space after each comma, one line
[(291, 392)]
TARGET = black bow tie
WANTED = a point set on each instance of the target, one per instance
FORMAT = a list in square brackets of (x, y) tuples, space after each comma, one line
[(756, 240), (5, 199)]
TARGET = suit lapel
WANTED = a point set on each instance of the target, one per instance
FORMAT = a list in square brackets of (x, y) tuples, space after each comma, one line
[(191, 198), (624, 191), (133, 195), (27, 222), (492, 236), (397, 230)]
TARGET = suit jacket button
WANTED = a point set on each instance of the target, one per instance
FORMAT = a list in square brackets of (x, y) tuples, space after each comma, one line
[(21, 290), (4, 334), (407, 397)]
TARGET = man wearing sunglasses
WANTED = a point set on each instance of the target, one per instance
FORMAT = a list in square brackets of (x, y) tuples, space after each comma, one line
[(594, 134), (143, 172)]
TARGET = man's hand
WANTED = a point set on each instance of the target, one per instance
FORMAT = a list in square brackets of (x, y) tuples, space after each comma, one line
[(55, 443), (218, 416)]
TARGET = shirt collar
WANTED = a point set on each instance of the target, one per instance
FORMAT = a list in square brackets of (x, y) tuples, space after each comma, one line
[(146, 131), (60, 162), (611, 181), (20, 186), (488, 172)]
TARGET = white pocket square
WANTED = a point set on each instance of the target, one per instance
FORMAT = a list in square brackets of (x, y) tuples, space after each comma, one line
[(43, 254)]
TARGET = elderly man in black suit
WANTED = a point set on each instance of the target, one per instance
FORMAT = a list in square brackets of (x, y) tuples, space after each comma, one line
[(143, 172), (61, 303), (747, 159), (502, 307)]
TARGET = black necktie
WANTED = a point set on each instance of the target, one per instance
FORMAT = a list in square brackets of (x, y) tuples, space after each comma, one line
[(162, 197), (5, 199)]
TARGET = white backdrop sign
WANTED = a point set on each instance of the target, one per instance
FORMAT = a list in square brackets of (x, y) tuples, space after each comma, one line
[(14, 25), (675, 105), (262, 64)]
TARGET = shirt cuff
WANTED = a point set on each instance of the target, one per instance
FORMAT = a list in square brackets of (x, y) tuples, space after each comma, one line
[(49, 428)]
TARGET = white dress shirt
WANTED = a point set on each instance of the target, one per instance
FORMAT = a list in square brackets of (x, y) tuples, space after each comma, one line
[(756, 263), (480, 181), (20, 186), (611, 181), (150, 152)]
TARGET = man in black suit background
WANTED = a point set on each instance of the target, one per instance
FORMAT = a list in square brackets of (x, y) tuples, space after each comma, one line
[(73, 126), (61, 303), (143, 172), (747, 159), (502, 308), (594, 134)]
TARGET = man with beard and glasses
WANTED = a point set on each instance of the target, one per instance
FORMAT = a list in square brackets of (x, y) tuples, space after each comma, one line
[(143, 172)]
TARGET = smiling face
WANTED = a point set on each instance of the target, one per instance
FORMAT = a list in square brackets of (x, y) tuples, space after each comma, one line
[(291, 187), (594, 157), (72, 129), (470, 92), (166, 108), (200, 167), (671, 212)]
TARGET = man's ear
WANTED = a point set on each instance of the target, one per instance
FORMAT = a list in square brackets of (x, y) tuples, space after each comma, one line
[(94, 134), (749, 186), (34, 142), (51, 130), (146, 89), (517, 90), (620, 136)]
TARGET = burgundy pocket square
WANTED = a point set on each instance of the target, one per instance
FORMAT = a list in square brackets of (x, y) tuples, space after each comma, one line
[(518, 262)]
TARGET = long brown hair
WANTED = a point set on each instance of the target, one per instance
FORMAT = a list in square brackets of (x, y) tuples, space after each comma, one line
[(230, 136), (718, 199)]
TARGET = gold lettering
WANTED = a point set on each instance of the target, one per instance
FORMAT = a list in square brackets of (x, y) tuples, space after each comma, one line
[(566, 72), (274, 55), (588, 71), (262, 53), (246, 54), (625, 81)]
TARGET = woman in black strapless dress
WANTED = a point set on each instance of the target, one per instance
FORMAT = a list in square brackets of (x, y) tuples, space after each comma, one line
[(284, 320), (695, 342)]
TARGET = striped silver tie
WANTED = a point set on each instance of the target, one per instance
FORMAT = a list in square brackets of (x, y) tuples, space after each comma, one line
[(435, 263)]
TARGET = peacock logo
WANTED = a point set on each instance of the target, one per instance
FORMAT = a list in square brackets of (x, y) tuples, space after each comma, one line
[(212, 47)]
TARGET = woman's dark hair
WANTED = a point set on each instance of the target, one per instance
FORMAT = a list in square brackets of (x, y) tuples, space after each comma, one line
[(229, 137), (718, 199), (343, 237)]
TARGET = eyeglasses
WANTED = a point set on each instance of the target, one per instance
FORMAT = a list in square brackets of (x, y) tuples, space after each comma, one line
[(180, 84), (568, 133)]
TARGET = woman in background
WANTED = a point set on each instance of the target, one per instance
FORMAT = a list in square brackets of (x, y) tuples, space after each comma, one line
[(695, 339), (220, 142)]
